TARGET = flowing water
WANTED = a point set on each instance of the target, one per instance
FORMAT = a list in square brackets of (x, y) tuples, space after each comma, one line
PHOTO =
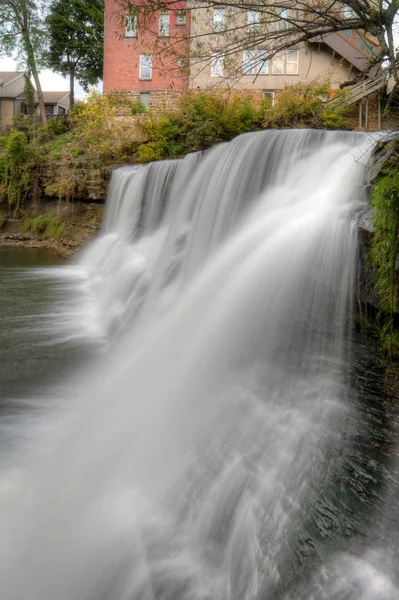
[(208, 424)]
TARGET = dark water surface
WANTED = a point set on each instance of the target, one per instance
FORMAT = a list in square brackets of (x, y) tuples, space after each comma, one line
[(30, 361)]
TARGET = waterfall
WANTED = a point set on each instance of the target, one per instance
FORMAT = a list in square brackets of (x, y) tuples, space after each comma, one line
[(188, 461)]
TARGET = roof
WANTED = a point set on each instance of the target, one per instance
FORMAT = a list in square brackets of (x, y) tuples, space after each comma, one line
[(48, 97), (54, 97), (344, 45), (7, 76)]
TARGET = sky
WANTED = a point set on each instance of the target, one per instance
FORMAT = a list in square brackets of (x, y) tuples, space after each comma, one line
[(51, 82)]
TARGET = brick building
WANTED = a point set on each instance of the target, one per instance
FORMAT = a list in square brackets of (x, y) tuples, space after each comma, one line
[(146, 59)]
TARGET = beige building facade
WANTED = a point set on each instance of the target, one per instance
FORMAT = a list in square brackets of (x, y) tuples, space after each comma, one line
[(214, 63)]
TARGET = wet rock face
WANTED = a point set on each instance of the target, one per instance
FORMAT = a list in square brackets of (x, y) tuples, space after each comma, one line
[(386, 155), (365, 285)]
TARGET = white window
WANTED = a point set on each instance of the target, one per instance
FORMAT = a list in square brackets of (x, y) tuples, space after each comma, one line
[(145, 66), (217, 65), (278, 64), (131, 26), (263, 62), (283, 14), (349, 12), (180, 61), (145, 98), (253, 18), (180, 17), (164, 24), (292, 62), (218, 19), (268, 96), (248, 62)]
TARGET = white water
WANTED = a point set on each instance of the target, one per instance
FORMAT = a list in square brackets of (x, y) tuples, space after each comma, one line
[(187, 461)]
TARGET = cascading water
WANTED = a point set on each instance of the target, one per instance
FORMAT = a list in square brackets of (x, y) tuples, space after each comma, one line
[(190, 461)]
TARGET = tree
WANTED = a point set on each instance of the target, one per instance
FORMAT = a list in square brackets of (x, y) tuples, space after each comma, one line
[(20, 28), (276, 25), (76, 41)]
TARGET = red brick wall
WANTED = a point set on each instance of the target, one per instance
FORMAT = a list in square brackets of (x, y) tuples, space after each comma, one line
[(122, 54)]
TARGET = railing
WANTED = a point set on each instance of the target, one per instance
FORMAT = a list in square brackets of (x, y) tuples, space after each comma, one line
[(358, 91)]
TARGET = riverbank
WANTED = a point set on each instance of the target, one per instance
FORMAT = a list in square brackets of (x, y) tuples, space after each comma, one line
[(78, 223)]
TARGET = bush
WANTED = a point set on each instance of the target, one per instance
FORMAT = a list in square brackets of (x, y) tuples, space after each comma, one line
[(199, 121), (99, 131), (17, 162), (301, 105), (57, 126)]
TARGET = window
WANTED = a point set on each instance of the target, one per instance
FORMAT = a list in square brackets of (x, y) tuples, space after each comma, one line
[(218, 19), (268, 96), (278, 64), (164, 22), (253, 18), (263, 63), (349, 12), (180, 62), (217, 65), (292, 62), (145, 98), (180, 17), (282, 23), (248, 62), (131, 26), (145, 66)]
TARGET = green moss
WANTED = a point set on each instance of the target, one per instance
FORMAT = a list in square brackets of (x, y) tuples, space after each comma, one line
[(46, 225), (385, 206)]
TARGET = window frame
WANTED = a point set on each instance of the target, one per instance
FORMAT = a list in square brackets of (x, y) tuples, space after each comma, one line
[(145, 66), (279, 57), (253, 24), (131, 32), (217, 59), (181, 14), (164, 31), (262, 65), (248, 63), (218, 23), (148, 96), (283, 13), (292, 62), (266, 93)]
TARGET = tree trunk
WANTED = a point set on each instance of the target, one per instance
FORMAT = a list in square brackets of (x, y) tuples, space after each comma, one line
[(42, 107), (71, 86), (30, 57)]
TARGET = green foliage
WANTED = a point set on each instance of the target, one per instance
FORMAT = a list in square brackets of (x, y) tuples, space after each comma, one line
[(117, 99), (98, 129), (385, 205), (199, 121), (76, 46), (301, 105), (15, 175), (57, 126), (21, 30), (30, 98), (46, 225)]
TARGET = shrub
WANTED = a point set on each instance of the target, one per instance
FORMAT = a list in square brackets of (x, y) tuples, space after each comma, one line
[(57, 126), (301, 105), (16, 168), (98, 130), (199, 121)]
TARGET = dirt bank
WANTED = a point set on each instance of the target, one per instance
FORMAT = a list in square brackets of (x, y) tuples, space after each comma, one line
[(79, 221)]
